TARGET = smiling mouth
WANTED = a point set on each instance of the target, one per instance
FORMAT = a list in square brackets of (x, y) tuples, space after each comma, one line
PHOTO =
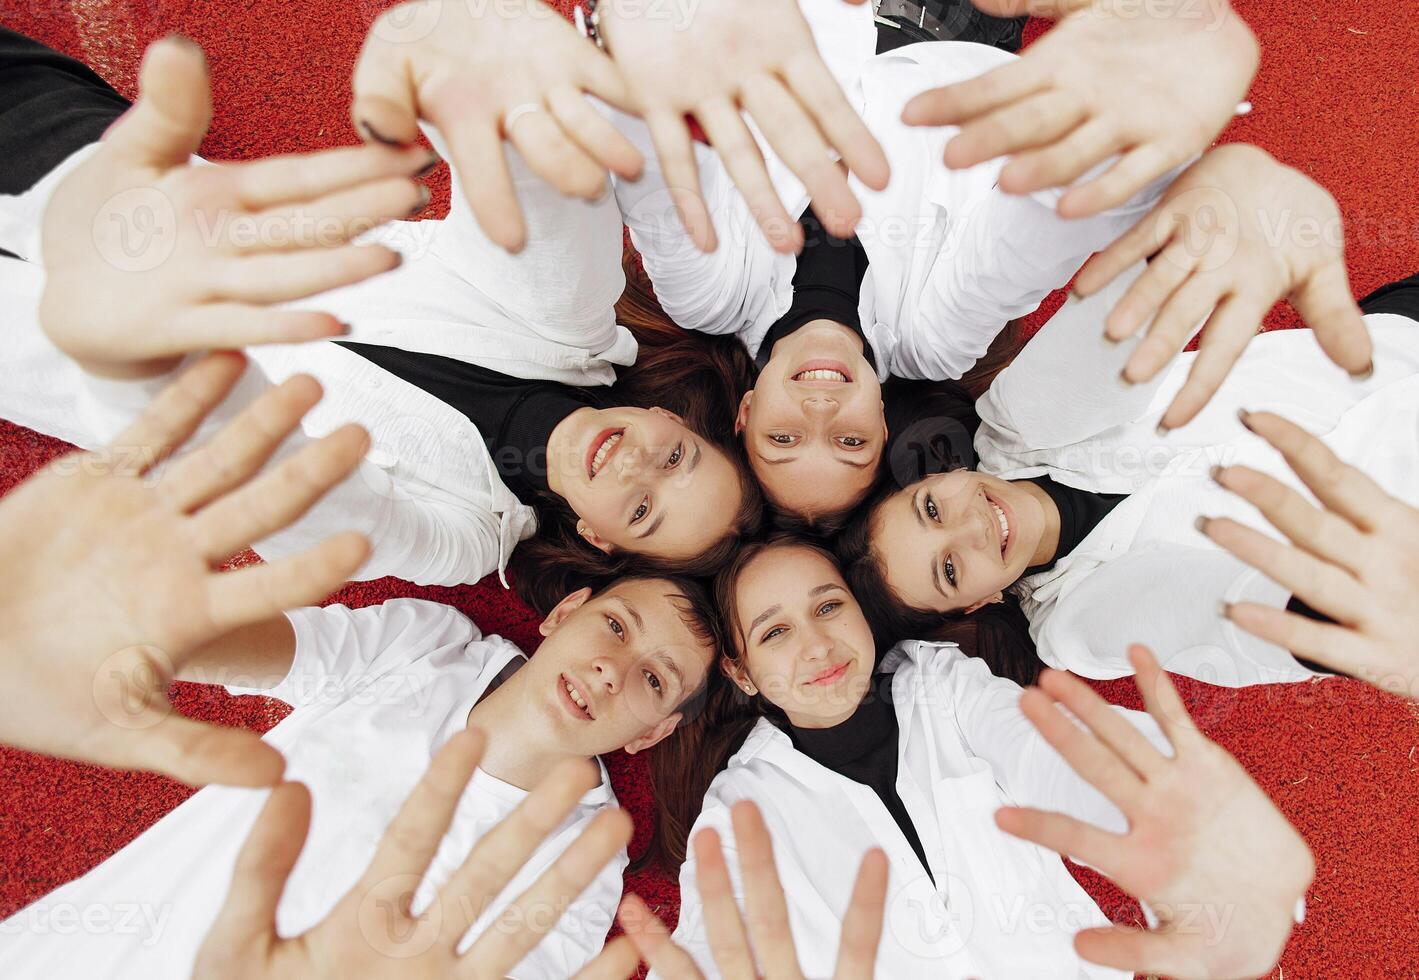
[(601, 450), (1001, 520), (823, 372), (831, 674), (572, 699)]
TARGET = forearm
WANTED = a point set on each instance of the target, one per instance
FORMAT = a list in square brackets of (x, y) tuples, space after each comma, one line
[(256, 656)]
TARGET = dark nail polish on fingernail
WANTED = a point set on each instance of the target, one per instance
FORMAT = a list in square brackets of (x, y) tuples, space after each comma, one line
[(1366, 374), (1245, 418), (376, 135), (1216, 474), (1201, 524), (1224, 609), (1162, 430)]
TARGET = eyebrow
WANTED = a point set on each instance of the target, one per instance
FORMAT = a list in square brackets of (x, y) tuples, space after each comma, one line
[(790, 459), (771, 611), (671, 667), (916, 508), (631, 610)]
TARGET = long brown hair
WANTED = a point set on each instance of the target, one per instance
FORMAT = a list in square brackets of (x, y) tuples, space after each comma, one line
[(686, 762), (697, 376)]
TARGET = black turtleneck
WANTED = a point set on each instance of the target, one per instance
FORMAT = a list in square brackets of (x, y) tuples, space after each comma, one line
[(1080, 511), (514, 416), (864, 749), (826, 285)]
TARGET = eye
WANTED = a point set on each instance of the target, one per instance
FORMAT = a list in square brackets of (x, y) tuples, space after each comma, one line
[(641, 511), (652, 680), (781, 438), (828, 608), (776, 631), (931, 511), (616, 627), (949, 568), (675, 456), (852, 442)]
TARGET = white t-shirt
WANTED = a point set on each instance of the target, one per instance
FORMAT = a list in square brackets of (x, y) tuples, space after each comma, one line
[(376, 692)]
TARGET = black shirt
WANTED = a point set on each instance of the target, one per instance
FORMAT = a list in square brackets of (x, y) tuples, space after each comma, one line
[(864, 749), (1080, 511), (826, 285), (514, 416)]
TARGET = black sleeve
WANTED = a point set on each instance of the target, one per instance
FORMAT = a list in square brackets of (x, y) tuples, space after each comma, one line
[(1400, 297)]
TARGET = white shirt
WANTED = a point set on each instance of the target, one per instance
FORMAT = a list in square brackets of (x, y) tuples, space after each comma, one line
[(952, 259), (376, 692), (428, 495), (998, 906), (1060, 410)]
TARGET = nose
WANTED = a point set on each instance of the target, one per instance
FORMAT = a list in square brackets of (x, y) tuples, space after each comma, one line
[(608, 673), (819, 407), (630, 462), (816, 645)]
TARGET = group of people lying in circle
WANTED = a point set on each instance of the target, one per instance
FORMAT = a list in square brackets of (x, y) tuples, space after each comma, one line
[(802, 513)]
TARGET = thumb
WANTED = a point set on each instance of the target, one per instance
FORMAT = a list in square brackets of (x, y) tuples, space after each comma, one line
[(198, 753), (1325, 302), (1161, 952), (385, 108), (174, 107), (262, 868)]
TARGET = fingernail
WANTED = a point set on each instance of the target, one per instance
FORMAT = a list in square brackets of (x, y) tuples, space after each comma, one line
[(1201, 524), (345, 329), (1123, 376), (428, 168), (425, 195), (1216, 474), (1224, 609), (185, 41), (1366, 374), (1245, 417), (376, 135), (1162, 429)]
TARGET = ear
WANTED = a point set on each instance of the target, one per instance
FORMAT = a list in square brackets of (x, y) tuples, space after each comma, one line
[(562, 610), (667, 414), (655, 735), (741, 418), (988, 600), (592, 538), (886, 432), (738, 676)]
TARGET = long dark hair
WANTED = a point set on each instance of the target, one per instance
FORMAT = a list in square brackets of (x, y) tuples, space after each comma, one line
[(686, 762), (998, 633), (699, 377)]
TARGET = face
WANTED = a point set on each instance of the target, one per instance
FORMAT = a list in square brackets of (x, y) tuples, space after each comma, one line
[(641, 481), (804, 643), (953, 542), (615, 667), (813, 426)]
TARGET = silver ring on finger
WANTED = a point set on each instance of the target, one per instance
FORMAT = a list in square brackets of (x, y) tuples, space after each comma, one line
[(518, 112)]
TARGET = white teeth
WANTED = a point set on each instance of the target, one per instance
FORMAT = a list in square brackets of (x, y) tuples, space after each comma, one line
[(822, 374), (571, 691), (1004, 526), (603, 452)]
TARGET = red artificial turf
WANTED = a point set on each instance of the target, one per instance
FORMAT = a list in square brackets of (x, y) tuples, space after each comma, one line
[(1337, 96)]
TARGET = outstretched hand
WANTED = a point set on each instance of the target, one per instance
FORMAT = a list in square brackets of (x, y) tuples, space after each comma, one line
[(1153, 84), (1234, 235), (149, 257), (115, 577), (373, 931), (1355, 558), (483, 74), (1206, 849), (752, 55), (763, 923)]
